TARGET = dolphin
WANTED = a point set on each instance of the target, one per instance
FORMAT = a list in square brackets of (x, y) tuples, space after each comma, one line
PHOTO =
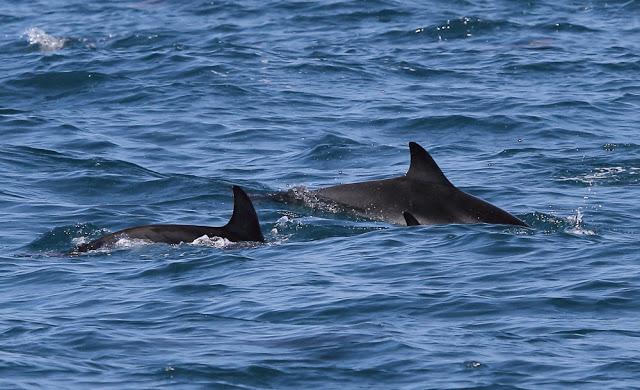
[(243, 226), (423, 196)]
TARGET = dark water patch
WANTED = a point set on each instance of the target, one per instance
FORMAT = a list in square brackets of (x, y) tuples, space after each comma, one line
[(20, 120), (599, 285), (173, 268), (619, 66), (548, 66), (325, 68), (341, 311), (422, 72), (230, 10), (565, 27), (56, 82), (5, 18), (149, 39), (223, 377), (10, 194), (194, 289), (10, 111), (335, 15), (515, 152)]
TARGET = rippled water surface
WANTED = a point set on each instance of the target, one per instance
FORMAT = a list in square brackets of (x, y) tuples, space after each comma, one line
[(115, 114)]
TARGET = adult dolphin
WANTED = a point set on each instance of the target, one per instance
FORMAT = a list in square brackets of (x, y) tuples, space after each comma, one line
[(243, 226), (422, 196)]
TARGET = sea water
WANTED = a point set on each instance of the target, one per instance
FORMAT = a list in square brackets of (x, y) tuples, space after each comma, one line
[(115, 114)]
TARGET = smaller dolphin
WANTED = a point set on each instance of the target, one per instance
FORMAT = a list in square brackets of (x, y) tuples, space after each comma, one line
[(423, 196), (243, 226)]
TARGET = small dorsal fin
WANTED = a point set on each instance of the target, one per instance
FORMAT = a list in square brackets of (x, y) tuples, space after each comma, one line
[(244, 221), (423, 167), (410, 219)]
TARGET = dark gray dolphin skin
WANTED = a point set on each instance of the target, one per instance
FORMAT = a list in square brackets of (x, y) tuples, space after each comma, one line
[(243, 226), (409, 219), (424, 196)]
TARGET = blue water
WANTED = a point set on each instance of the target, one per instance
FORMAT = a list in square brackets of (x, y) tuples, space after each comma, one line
[(114, 114)]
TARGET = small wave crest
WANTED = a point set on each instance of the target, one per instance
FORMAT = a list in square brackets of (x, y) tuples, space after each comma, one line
[(606, 176), (46, 42)]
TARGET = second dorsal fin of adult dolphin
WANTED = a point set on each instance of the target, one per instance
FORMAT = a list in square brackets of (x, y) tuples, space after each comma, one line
[(423, 195), (243, 226)]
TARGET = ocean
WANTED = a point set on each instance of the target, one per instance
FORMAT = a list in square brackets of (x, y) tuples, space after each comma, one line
[(123, 113)]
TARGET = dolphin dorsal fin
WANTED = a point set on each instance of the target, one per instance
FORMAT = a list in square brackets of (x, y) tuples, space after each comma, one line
[(410, 219), (423, 167), (244, 221)]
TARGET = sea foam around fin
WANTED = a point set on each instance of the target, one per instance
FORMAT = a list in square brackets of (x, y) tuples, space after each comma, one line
[(46, 42), (216, 242)]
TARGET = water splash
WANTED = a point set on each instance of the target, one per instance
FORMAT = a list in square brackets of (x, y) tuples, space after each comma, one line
[(37, 36), (302, 195), (215, 242), (126, 242), (577, 225)]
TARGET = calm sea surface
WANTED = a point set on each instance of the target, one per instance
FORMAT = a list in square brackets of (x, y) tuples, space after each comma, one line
[(121, 113)]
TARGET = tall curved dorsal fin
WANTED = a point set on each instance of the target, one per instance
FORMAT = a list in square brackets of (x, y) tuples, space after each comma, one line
[(409, 219), (423, 167), (244, 221)]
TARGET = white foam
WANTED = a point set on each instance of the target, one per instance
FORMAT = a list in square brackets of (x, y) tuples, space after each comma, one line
[(79, 240), (602, 174), (282, 220), (216, 242), (125, 242), (37, 36), (578, 227)]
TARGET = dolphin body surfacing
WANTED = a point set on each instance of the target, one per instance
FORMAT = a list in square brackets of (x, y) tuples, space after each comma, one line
[(423, 196), (243, 226)]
